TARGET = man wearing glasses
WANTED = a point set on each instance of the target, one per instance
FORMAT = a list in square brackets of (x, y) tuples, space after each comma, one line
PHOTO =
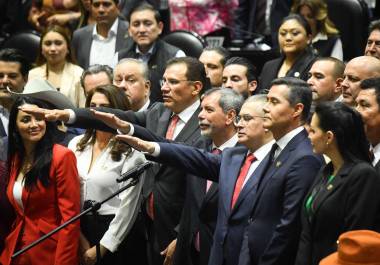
[(175, 119)]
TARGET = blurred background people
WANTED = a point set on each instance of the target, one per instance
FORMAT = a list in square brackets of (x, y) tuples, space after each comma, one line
[(325, 36), (344, 194), (294, 37), (56, 64), (96, 75), (214, 60), (372, 47), (41, 173), (101, 160)]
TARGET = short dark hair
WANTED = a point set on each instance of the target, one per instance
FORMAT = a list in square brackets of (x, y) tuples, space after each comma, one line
[(115, 1), (96, 69), (229, 99), (339, 65), (374, 25), (300, 19), (299, 92), (195, 70), (221, 51), (16, 56), (347, 125), (372, 83), (251, 69), (142, 7)]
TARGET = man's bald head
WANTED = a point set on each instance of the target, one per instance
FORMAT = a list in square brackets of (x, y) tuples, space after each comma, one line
[(358, 69)]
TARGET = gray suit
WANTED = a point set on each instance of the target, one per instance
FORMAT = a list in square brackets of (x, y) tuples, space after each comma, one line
[(82, 40)]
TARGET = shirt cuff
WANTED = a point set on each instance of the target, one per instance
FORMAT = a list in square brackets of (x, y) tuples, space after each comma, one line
[(131, 130), (110, 242), (156, 151), (72, 116)]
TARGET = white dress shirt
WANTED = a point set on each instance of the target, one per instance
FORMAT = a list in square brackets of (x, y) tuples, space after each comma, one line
[(284, 140), (102, 49), (4, 116), (145, 106), (376, 153), (100, 182)]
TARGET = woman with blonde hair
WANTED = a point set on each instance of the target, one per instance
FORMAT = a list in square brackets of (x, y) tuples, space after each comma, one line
[(325, 35)]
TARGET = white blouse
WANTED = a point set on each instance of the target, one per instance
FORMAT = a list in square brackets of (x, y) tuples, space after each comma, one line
[(17, 193), (100, 182)]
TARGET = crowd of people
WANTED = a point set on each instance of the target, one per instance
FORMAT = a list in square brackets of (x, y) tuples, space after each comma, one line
[(241, 167)]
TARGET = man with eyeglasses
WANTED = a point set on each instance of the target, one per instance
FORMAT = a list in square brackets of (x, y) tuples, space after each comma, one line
[(237, 171), (176, 119)]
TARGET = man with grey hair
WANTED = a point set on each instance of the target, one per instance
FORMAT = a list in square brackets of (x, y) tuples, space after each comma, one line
[(96, 75), (132, 75), (237, 171)]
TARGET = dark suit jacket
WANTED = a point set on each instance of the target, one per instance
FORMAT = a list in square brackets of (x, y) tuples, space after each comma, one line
[(82, 40), (225, 169), (349, 202), (300, 69), (245, 17), (274, 227), (167, 183)]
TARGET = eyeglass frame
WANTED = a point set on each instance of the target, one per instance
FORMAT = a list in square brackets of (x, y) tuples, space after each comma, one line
[(169, 82), (246, 118)]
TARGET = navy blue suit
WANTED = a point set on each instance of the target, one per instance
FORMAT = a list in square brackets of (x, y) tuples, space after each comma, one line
[(224, 169), (272, 236)]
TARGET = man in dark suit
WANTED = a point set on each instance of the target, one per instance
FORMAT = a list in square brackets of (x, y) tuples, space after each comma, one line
[(237, 171), (99, 43), (274, 225), (368, 105), (14, 69), (145, 27), (176, 119)]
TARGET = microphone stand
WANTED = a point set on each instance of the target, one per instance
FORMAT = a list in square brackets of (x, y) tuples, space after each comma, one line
[(94, 208)]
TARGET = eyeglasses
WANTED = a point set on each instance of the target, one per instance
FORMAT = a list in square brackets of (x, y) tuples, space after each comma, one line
[(172, 82), (246, 118)]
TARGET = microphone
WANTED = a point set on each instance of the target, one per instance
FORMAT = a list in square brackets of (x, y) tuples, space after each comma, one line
[(135, 172)]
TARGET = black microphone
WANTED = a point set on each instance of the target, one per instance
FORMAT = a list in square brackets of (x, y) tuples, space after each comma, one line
[(135, 172)]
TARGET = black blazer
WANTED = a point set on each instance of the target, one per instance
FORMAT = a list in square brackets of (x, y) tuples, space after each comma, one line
[(349, 202), (300, 69), (166, 183)]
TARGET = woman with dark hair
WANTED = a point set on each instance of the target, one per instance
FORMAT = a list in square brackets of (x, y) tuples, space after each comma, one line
[(43, 188), (345, 194), (56, 63), (294, 37), (325, 35), (101, 160)]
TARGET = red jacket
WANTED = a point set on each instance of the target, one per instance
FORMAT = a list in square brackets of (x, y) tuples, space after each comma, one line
[(45, 208)]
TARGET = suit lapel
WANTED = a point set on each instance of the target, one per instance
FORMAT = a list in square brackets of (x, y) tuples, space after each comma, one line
[(86, 46), (190, 127), (330, 188), (2, 129), (233, 172), (163, 122), (121, 36), (277, 164)]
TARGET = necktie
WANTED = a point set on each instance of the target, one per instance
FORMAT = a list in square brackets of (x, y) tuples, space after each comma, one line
[(169, 135), (269, 163), (240, 180), (173, 123)]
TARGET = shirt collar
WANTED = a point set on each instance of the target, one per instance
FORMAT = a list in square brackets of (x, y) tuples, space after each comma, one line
[(229, 143), (111, 32), (263, 150), (284, 140), (319, 36), (186, 114), (4, 111), (145, 107), (149, 52), (376, 153)]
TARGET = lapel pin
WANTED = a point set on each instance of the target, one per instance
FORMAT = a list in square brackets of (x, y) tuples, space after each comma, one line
[(278, 164), (329, 187), (297, 74)]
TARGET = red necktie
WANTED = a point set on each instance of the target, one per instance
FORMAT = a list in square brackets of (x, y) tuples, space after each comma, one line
[(240, 180), (173, 123), (169, 135)]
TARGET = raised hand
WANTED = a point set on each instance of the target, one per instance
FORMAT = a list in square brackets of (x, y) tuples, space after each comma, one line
[(46, 114), (137, 143), (112, 121)]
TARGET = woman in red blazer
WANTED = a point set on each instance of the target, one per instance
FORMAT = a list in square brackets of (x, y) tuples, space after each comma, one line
[(43, 188)]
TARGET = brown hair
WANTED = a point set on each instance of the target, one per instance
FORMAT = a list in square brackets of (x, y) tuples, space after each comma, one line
[(118, 100), (319, 10)]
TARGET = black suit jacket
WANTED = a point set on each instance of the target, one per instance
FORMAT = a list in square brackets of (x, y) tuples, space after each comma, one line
[(300, 69), (166, 183), (271, 237), (82, 41), (349, 202)]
